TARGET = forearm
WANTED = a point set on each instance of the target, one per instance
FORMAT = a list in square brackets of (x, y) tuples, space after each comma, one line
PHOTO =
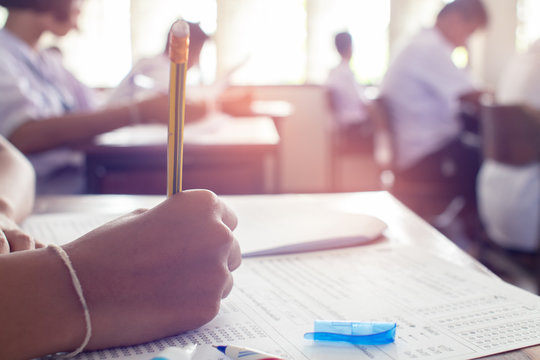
[(17, 183), (39, 309), (68, 129)]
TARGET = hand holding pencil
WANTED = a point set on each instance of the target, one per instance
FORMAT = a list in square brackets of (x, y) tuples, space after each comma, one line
[(178, 54)]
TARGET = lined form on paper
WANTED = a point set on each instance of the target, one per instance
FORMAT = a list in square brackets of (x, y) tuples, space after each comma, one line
[(61, 228), (303, 225), (443, 311)]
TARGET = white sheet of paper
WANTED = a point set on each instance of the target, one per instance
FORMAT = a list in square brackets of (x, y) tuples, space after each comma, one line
[(61, 228), (307, 224), (443, 311), (292, 223)]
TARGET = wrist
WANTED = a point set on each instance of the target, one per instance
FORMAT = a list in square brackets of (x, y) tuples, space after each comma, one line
[(43, 306), (66, 309)]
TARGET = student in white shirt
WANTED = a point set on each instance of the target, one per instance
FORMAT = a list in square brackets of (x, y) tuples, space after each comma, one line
[(346, 94), (45, 109), (147, 275), (509, 196), (150, 76), (423, 87)]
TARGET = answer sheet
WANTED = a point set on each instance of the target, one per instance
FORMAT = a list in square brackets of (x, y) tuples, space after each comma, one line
[(442, 311), (304, 224)]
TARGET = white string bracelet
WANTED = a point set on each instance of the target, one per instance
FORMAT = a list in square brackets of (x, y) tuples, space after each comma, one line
[(78, 288)]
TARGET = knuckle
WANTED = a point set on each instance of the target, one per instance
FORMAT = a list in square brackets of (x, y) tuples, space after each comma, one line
[(23, 241), (208, 198), (222, 234), (228, 286), (219, 276), (4, 246), (225, 234), (138, 211)]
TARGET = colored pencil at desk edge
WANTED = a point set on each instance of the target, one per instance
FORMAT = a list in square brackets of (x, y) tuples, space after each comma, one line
[(178, 54), (241, 353)]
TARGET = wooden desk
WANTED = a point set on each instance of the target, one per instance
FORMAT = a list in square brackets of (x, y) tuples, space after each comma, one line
[(404, 227), (226, 155)]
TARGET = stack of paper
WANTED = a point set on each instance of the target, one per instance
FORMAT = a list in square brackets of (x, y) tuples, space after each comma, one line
[(442, 311)]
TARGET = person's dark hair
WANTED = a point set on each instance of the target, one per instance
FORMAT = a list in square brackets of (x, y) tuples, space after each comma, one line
[(472, 10), (197, 37), (60, 8), (343, 42)]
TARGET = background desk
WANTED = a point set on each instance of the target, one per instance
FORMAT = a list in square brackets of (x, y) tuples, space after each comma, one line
[(223, 154)]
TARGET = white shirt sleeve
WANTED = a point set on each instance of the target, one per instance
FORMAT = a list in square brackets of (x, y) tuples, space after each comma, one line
[(18, 103)]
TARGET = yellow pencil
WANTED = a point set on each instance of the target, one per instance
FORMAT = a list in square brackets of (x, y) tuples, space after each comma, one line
[(178, 54)]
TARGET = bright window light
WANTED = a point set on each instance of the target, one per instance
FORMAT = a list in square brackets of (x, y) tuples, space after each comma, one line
[(264, 40), (3, 16), (267, 42), (99, 54), (460, 57), (367, 21), (291, 41), (528, 29)]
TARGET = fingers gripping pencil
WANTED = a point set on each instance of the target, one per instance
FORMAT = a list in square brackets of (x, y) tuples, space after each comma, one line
[(178, 54)]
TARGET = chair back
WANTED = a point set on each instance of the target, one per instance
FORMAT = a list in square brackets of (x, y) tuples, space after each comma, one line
[(384, 152), (510, 134)]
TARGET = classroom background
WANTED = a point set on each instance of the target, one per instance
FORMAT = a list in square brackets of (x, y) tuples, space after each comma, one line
[(286, 50), (283, 50)]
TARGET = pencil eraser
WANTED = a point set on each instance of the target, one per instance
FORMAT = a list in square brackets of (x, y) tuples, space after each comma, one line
[(180, 29), (179, 42)]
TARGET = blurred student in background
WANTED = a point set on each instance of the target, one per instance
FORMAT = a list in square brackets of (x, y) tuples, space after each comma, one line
[(423, 89), (508, 195), (40, 312), (150, 76), (346, 94), (45, 109)]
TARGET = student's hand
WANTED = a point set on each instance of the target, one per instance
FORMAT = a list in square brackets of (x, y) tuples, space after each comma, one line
[(13, 238), (156, 109), (157, 272), (195, 110), (236, 102)]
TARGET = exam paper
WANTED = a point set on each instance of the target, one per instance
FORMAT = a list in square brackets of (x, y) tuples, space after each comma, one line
[(297, 223), (285, 224), (61, 228), (442, 311)]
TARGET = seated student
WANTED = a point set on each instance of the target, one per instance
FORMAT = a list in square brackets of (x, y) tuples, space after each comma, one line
[(346, 94), (422, 89), (45, 109), (149, 274), (509, 196), (150, 76)]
